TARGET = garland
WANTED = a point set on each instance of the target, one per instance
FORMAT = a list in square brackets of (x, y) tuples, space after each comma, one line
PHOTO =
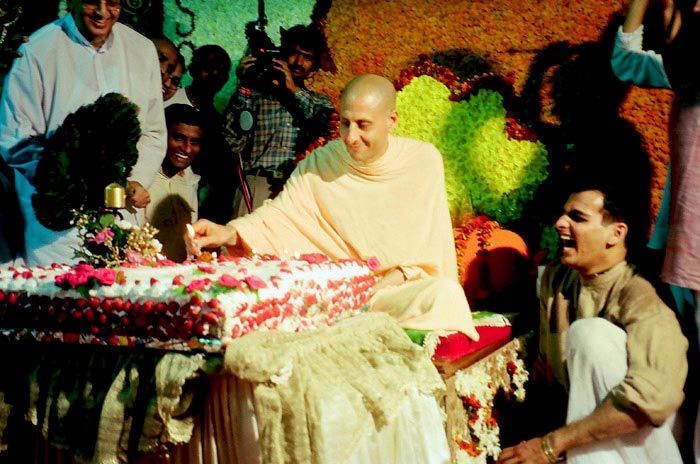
[(94, 147), (478, 440)]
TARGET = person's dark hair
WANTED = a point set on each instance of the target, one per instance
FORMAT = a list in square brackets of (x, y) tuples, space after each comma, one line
[(684, 71), (309, 38), (164, 39), (626, 187), (201, 60), (186, 114)]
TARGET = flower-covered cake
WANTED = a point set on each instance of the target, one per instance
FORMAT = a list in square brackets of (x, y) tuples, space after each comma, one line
[(180, 306)]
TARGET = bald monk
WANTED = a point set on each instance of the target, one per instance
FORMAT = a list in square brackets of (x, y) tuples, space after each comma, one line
[(368, 194)]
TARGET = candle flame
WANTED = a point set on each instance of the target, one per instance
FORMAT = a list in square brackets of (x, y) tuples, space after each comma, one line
[(190, 230)]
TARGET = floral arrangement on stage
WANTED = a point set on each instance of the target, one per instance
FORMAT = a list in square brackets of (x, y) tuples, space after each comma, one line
[(493, 164), (110, 241), (92, 151), (94, 147), (477, 386)]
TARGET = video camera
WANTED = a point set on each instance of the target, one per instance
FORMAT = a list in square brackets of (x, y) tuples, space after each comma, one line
[(261, 47)]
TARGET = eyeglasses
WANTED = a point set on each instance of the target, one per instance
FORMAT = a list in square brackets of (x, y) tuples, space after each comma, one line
[(92, 5)]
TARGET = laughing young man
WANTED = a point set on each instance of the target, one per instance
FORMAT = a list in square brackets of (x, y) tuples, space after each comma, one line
[(607, 337), (65, 65)]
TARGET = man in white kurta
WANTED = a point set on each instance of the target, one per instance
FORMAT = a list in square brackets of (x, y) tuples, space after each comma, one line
[(65, 65), (174, 201), (369, 194)]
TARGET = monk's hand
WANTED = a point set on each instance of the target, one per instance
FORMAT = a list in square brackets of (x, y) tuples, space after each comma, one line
[(390, 279), (210, 235), (525, 452)]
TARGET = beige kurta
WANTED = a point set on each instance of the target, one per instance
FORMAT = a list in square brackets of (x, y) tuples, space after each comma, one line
[(656, 346), (173, 205), (395, 209)]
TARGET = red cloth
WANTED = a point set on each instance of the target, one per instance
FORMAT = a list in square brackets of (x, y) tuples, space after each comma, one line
[(458, 345)]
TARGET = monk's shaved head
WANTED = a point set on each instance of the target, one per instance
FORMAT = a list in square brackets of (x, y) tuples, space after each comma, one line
[(367, 116), (375, 91)]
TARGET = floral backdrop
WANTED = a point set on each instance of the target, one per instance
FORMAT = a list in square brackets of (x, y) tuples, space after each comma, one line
[(554, 54), (554, 51)]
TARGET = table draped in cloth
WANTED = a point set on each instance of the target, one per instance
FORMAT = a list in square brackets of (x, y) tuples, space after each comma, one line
[(101, 404), (359, 391), (318, 394)]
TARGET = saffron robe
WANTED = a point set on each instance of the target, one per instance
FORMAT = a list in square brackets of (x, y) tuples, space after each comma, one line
[(394, 208)]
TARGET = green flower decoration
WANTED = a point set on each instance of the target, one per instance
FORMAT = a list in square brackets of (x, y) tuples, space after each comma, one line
[(486, 171), (95, 146)]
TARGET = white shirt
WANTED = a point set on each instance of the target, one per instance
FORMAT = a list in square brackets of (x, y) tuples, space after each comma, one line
[(174, 203), (631, 63), (59, 72), (179, 97)]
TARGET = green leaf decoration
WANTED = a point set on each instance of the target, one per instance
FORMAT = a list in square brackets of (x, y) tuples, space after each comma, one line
[(95, 146)]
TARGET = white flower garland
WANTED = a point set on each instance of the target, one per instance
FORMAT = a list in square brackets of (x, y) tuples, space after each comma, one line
[(477, 385)]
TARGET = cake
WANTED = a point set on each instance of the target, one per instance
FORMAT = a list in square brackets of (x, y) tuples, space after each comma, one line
[(194, 305)]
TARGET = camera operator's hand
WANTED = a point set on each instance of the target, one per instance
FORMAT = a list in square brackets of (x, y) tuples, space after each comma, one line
[(246, 63), (283, 67)]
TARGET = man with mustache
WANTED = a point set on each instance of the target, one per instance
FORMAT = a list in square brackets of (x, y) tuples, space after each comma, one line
[(273, 116), (65, 65)]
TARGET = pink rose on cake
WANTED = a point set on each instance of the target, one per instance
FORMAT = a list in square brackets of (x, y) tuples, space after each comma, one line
[(255, 282), (72, 279), (314, 258), (227, 280), (84, 276), (373, 263), (199, 285), (106, 276)]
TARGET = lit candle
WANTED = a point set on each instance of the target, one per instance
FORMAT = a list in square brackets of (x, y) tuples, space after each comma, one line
[(193, 249)]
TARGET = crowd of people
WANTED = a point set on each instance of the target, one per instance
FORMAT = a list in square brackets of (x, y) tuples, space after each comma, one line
[(611, 344), (247, 153)]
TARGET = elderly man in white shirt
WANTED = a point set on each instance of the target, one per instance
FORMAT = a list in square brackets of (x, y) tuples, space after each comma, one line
[(66, 64)]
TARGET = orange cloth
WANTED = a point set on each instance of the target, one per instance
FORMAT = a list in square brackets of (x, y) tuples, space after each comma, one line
[(395, 209), (503, 270)]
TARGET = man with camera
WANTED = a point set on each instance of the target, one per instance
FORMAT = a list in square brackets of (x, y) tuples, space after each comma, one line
[(272, 116)]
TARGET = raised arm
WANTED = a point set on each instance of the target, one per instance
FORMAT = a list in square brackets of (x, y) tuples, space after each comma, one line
[(629, 61), (635, 15)]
